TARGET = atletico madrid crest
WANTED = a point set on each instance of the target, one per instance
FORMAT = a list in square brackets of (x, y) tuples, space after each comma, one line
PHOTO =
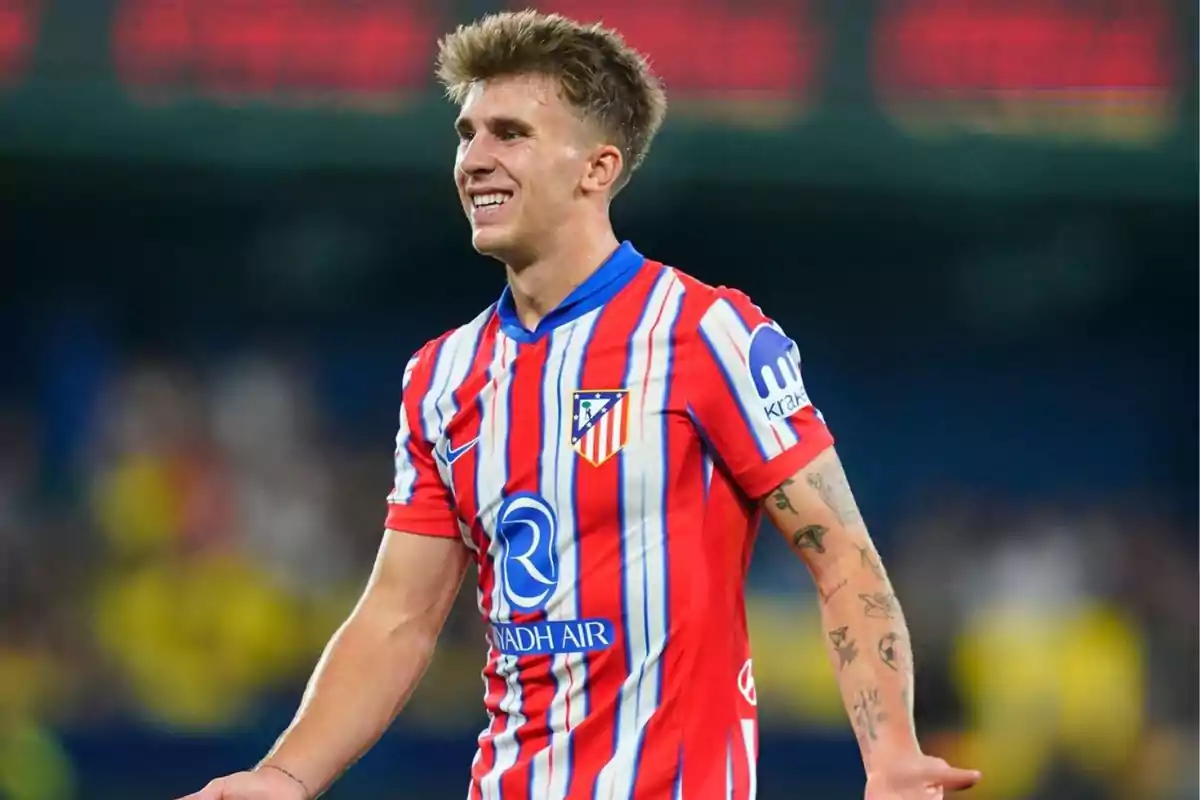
[(600, 424)]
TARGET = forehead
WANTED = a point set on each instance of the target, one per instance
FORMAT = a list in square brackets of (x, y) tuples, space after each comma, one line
[(532, 98)]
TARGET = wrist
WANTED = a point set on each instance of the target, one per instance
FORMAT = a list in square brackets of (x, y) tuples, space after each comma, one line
[(306, 792), (898, 750)]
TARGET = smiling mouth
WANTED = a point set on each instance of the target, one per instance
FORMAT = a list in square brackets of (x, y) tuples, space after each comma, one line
[(490, 200)]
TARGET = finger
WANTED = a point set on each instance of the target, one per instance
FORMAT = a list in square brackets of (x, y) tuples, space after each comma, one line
[(210, 792), (953, 778)]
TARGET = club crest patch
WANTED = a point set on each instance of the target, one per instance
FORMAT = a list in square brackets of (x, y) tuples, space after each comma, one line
[(600, 423)]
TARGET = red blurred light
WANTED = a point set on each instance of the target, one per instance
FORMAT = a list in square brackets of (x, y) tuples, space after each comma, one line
[(19, 23), (972, 46), (704, 48), (238, 48)]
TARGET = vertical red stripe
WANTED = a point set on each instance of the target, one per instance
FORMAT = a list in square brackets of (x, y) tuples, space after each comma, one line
[(465, 426), (494, 685), (596, 488), (524, 448), (683, 516)]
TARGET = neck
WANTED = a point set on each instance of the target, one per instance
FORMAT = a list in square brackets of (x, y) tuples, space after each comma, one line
[(542, 284)]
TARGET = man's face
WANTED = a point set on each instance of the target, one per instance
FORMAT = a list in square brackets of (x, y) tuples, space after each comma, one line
[(522, 153)]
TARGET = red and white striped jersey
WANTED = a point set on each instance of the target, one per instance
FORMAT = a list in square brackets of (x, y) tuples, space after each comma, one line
[(606, 470)]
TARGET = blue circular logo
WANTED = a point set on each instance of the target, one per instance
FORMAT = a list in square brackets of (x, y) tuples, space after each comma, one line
[(526, 531), (773, 363)]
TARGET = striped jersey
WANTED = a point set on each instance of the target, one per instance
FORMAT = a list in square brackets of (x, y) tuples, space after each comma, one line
[(606, 469)]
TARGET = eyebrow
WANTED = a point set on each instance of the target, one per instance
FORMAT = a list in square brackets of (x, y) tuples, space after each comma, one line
[(465, 125)]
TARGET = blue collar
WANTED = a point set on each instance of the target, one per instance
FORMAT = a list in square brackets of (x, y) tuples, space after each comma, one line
[(602, 286)]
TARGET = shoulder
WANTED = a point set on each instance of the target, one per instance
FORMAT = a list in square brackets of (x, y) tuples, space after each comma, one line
[(442, 352), (709, 304)]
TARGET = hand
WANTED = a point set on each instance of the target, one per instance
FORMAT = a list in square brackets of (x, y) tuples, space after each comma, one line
[(918, 778), (264, 784)]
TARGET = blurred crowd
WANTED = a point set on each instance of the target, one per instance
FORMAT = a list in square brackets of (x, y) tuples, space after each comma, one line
[(213, 527)]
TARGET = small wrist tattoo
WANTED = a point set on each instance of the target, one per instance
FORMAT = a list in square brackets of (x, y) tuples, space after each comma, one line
[(277, 768)]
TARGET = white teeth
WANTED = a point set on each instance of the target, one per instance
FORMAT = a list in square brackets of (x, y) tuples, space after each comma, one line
[(485, 200)]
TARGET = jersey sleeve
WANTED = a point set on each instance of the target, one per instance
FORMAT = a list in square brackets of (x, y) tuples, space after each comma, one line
[(420, 502), (748, 399)]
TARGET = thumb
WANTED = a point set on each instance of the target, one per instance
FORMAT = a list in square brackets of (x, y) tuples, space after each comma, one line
[(952, 778), (211, 792)]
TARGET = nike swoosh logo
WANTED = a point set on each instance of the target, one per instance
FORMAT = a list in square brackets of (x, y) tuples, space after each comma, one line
[(455, 453)]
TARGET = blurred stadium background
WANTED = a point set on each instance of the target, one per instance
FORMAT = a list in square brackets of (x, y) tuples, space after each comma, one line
[(225, 225)]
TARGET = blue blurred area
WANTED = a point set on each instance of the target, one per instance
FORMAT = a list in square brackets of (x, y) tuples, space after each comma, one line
[(997, 316)]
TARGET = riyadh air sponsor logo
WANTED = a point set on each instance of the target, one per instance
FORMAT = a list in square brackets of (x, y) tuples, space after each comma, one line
[(774, 366), (528, 573), (559, 636)]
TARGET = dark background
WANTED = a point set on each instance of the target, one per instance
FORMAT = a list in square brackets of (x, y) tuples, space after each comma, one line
[(225, 226)]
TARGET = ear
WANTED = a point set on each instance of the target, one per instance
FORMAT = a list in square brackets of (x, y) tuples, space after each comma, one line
[(604, 167)]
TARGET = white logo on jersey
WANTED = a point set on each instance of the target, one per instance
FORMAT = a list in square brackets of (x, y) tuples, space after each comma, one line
[(746, 682)]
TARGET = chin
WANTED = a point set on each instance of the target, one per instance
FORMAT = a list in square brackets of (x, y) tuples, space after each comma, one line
[(492, 241)]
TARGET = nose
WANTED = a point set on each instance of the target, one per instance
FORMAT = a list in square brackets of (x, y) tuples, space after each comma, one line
[(476, 157)]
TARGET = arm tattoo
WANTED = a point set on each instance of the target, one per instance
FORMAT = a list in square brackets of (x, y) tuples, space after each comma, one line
[(845, 647), (867, 714), (782, 502), (834, 491), (888, 653), (827, 596), (809, 538), (872, 563), (879, 605)]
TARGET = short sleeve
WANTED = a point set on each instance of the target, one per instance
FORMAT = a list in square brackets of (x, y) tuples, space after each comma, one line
[(419, 501), (748, 399)]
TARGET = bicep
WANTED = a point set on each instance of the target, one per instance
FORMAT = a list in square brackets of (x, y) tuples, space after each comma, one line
[(416, 578), (747, 396), (816, 511)]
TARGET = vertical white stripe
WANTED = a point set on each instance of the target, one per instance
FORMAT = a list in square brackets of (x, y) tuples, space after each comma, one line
[(644, 464), (723, 330), (604, 436), (492, 472), (748, 737), (551, 766), (728, 770), (454, 361), (405, 472)]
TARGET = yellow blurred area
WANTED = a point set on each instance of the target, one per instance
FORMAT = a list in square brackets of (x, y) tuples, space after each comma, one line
[(1049, 684), (33, 765), (792, 673), (1035, 687), (1129, 119), (198, 639), (138, 505)]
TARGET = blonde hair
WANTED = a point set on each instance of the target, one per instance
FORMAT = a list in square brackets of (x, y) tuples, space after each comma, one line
[(608, 82)]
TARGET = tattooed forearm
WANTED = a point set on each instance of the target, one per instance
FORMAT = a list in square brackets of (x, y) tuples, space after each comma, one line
[(871, 561), (826, 596), (888, 652), (834, 490), (780, 498), (879, 605), (844, 646), (809, 538), (868, 715)]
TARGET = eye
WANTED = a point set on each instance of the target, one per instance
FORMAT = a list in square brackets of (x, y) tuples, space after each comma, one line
[(509, 134)]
